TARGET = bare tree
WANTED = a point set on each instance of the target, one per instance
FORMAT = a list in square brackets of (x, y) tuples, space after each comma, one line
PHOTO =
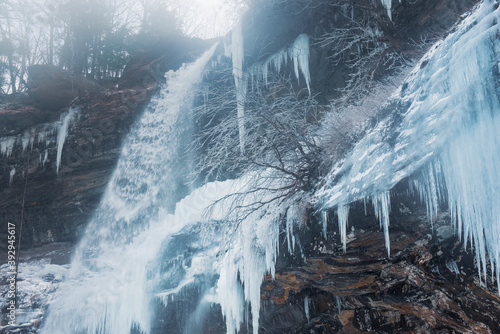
[(281, 146)]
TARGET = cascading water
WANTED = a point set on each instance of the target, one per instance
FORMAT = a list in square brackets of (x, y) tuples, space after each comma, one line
[(139, 250), (111, 284)]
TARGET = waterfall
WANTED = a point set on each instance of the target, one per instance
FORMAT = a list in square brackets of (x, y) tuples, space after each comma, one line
[(112, 280), (152, 241)]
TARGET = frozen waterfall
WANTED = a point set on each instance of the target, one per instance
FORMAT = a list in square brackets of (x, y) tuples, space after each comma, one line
[(154, 240), (444, 136)]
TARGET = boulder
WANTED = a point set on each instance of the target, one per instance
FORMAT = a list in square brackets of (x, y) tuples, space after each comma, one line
[(14, 118), (53, 88)]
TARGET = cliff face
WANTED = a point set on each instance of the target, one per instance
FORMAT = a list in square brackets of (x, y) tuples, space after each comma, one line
[(58, 205), (428, 285)]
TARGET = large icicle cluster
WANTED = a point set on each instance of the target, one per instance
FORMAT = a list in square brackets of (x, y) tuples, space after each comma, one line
[(39, 133), (445, 136), (298, 53)]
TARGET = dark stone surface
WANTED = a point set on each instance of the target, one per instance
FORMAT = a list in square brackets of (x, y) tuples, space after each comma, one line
[(414, 27), (16, 117), (53, 88), (412, 291)]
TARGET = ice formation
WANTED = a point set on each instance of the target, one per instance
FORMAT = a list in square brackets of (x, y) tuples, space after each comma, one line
[(240, 80), (388, 6), (250, 256), (27, 138), (6, 145), (11, 175), (45, 157), (443, 135), (306, 307), (37, 279), (66, 120), (298, 54)]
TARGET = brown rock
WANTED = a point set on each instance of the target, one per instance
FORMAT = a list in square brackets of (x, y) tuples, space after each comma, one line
[(53, 88), (15, 118)]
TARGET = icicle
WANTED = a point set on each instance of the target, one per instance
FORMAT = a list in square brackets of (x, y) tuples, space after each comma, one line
[(241, 93), (12, 173), (300, 54), (291, 219), (382, 206), (453, 267), (46, 131), (388, 6), (324, 221), (343, 214), (66, 119), (338, 301), (240, 80), (6, 146), (307, 303), (45, 157), (25, 139)]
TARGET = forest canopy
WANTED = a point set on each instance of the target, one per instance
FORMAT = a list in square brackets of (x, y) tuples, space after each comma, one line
[(93, 38)]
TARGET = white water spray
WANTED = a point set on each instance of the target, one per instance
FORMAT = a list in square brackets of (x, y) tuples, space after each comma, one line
[(112, 283)]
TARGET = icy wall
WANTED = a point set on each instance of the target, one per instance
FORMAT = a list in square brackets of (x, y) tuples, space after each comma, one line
[(444, 136)]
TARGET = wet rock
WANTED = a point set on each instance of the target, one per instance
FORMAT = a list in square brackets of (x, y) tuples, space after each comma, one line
[(14, 118)]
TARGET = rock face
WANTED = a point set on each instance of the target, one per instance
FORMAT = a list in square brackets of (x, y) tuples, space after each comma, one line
[(53, 88), (415, 25), (16, 117), (428, 285)]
